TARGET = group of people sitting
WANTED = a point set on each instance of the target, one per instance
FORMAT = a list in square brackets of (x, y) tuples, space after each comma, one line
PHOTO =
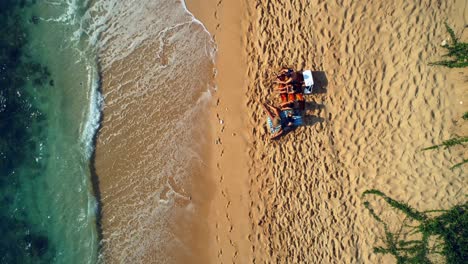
[(289, 85)]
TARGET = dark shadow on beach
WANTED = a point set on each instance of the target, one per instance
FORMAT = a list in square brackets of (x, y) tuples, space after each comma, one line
[(311, 113), (311, 120), (94, 176), (320, 82), (312, 106)]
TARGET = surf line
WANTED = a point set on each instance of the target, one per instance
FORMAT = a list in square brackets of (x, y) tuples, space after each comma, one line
[(89, 138)]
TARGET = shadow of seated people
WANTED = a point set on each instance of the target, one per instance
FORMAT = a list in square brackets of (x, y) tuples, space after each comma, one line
[(311, 120), (320, 82), (308, 120), (313, 106)]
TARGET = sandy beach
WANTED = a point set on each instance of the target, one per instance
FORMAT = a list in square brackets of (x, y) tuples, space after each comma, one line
[(230, 236), (243, 198), (377, 104), (157, 72)]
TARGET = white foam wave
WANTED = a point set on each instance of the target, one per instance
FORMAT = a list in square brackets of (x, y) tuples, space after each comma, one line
[(135, 25), (194, 19), (91, 124), (70, 16)]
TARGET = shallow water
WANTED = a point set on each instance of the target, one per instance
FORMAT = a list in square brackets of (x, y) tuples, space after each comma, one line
[(48, 117), (156, 62)]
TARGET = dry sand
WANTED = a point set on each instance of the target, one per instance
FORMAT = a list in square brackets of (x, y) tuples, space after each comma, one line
[(297, 200)]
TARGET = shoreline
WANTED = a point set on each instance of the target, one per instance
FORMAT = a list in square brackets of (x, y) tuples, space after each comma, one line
[(228, 214), (94, 177), (296, 199), (150, 151)]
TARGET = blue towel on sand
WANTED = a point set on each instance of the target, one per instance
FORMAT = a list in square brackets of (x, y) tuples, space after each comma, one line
[(297, 118)]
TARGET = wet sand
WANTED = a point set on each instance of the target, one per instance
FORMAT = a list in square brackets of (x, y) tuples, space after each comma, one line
[(150, 159), (228, 215), (377, 103)]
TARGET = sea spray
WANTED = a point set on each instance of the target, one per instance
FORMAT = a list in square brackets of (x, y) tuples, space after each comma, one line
[(93, 114)]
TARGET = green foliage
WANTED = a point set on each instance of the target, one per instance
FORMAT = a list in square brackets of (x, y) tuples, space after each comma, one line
[(449, 228), (452, 142), (397, 205), (449, 143), (458, 165), (456, 50)]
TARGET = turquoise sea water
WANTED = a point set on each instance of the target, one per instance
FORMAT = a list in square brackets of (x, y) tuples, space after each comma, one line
[(49, 111)]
